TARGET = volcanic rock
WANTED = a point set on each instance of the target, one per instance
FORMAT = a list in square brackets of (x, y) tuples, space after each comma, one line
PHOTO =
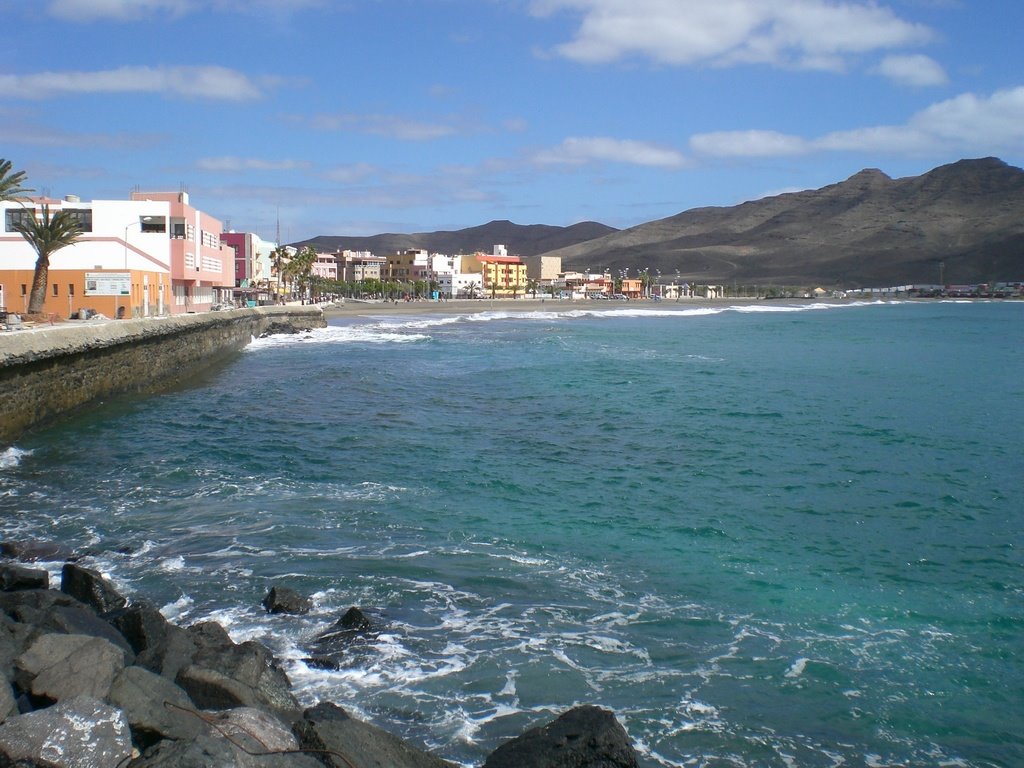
[(285, 600), (585, 736), (75, 733), (90, 587), (351, 743)]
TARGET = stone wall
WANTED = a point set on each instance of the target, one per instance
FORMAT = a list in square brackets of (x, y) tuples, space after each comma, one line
[(48, 372)]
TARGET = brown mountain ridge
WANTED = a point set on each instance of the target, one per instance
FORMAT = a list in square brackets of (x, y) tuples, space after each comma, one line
[(963, 222), (522, 240)]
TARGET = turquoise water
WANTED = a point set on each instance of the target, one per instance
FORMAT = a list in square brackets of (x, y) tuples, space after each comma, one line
[(764, 536)]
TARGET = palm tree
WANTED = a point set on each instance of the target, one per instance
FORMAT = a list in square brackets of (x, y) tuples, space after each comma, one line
[(10, 182), (47, 236), (301, 267), (278, 259)]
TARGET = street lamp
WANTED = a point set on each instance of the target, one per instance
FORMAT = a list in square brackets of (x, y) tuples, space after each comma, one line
[(140, 221)]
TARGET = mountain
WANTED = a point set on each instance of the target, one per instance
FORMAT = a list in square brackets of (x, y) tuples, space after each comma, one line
[(963, 221), (521, 240)]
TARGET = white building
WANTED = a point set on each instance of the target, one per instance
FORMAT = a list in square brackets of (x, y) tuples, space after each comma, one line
[(151, 255)]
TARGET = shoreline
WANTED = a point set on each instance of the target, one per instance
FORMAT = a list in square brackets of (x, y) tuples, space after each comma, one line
[(96, 678), (356, 308), (352, 308)]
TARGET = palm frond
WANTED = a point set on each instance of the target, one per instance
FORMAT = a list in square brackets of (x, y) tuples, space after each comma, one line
[(49, 233), (11, 182)]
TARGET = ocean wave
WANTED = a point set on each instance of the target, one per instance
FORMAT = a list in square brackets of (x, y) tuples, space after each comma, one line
[(12, 457), (387, 329), (339, 334), (672, 310)]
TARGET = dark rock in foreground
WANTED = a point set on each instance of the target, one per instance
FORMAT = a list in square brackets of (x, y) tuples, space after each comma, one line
[(59, 735), (585, 736), (15, 577), (87, 679), (330, 648), (90, 587), (343, 741), (286, 600)]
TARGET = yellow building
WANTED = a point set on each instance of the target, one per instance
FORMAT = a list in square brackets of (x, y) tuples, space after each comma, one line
[(503, 276)]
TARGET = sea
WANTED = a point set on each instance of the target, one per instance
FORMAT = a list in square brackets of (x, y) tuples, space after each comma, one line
[(767, 534)]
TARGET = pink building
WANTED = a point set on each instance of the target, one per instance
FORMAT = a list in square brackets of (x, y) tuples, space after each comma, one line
[(202, 273)]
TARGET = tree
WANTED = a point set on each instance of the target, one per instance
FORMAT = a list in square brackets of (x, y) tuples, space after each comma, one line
[(46, 235), (11, 181), (301, 267), (278, 260)]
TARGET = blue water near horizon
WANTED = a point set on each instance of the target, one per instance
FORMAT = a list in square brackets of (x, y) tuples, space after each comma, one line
[(764, 535)]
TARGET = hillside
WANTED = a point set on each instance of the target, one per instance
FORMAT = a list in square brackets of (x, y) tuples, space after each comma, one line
[(869, 230), (521, 240)]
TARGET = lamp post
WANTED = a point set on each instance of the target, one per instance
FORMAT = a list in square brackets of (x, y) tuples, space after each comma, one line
[(140, 222)]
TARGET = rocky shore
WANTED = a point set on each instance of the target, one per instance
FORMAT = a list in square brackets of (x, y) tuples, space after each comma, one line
[(93, 680)]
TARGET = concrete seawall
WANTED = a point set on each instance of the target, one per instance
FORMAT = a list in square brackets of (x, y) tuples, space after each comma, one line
[(48, 372)]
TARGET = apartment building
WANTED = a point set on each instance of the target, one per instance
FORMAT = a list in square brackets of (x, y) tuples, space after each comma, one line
[(410, 265), (503, 276), (362, 265), (252, 257), (543, 269), (153, 254), (326, 266)]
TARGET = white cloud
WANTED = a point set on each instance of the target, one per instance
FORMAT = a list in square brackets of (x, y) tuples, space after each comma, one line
[(967, 123), (202, 82), (747, 144), (810, 34), (120, 10), (393, 126), (138, 10), (581, 151), (42, 136), (229, 164), (516, 125), (914, 69), (351, 174)]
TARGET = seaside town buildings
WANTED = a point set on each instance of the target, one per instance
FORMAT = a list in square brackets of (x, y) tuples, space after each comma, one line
[(156, 254), (253, 266)]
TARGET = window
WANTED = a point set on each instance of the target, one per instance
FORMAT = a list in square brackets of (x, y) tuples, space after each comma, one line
[(153, 223), (71, 289), (83, 215), (24, 289), (55, 289), (13, 216)]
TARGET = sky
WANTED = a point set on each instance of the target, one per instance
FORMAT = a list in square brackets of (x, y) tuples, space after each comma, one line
[(359, 117)]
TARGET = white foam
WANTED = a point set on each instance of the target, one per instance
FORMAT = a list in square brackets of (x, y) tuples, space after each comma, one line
[(172, 564), (797, 668), (12, 457), (386, 329), (510, 684), (343, 334), (177, 610)]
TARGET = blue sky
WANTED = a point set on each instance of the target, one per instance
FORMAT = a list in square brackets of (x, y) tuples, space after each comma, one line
[(365, 116)]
